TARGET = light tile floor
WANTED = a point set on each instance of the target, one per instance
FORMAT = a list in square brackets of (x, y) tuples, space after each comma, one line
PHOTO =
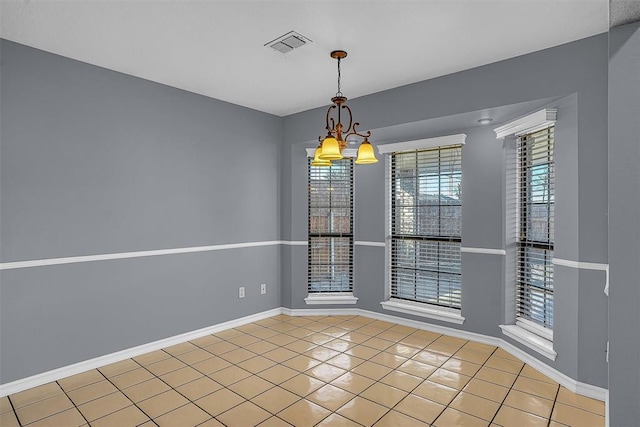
[(309, 371)]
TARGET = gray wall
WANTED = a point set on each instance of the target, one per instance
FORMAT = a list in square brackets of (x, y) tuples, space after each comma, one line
[(574, 76), (624, 218), (96, 162)]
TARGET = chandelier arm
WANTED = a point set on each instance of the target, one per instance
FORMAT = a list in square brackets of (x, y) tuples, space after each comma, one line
[(332, 128), (349, 128), (330, 118), (354, 131)]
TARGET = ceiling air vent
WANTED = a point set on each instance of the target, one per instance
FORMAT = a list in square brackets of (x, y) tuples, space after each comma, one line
[(287, 42)]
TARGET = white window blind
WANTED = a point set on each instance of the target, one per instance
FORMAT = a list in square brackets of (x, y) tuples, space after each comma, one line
[(534, 290), (425, 217), (330, 267)]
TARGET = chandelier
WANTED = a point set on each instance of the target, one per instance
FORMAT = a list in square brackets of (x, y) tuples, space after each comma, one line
[(332, 146)]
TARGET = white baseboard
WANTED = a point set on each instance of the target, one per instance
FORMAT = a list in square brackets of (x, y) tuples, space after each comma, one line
[(77, 368), (578, 387), (65, 371)]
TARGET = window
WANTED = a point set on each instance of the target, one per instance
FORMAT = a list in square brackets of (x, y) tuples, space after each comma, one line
[(425, 229), (330, 267), (534, 268), (530, 206)]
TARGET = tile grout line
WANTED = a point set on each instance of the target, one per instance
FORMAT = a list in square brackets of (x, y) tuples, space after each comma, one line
[(20, 423), (276, 363), (226, 387), (393, 369), (448, 405), (507, 395), (15, 413), (303, 372), (298, 372), (120, 390), (339, 352), (418, 385), (72, 402), (365, 360), (369, 359), (253, 374), (423, 348), (553, 406), (174, 389), (375, 381), (325, 361), (449, 357)]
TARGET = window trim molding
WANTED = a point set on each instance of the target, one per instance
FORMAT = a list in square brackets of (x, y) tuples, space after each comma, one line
[(421, 309), (534, 328), (523, 214), (532, 337), (335, 297), (530, 340), (324, 298), (420, 144), (430, 311), (527, 124)]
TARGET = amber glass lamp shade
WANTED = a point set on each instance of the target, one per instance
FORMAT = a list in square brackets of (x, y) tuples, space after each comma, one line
[(366, 154), (317, 161), (330, 149)]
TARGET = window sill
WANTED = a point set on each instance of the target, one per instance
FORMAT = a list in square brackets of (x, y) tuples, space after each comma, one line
[(530, 340), (331, 298), (424, 310)]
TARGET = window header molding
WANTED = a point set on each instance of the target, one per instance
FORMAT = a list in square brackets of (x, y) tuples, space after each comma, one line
[(527, 124), (421, 144)]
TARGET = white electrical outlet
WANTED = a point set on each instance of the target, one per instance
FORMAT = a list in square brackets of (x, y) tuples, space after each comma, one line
[(263, 288), (241, 292)]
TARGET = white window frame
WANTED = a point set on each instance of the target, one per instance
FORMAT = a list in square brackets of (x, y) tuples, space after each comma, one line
[(527, 333), (330, 298), (429, 311)]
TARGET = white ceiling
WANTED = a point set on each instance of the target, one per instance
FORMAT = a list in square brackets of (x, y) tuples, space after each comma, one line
[(215, 47)]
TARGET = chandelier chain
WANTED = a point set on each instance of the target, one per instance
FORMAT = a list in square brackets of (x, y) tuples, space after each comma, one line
[(339, 93)]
